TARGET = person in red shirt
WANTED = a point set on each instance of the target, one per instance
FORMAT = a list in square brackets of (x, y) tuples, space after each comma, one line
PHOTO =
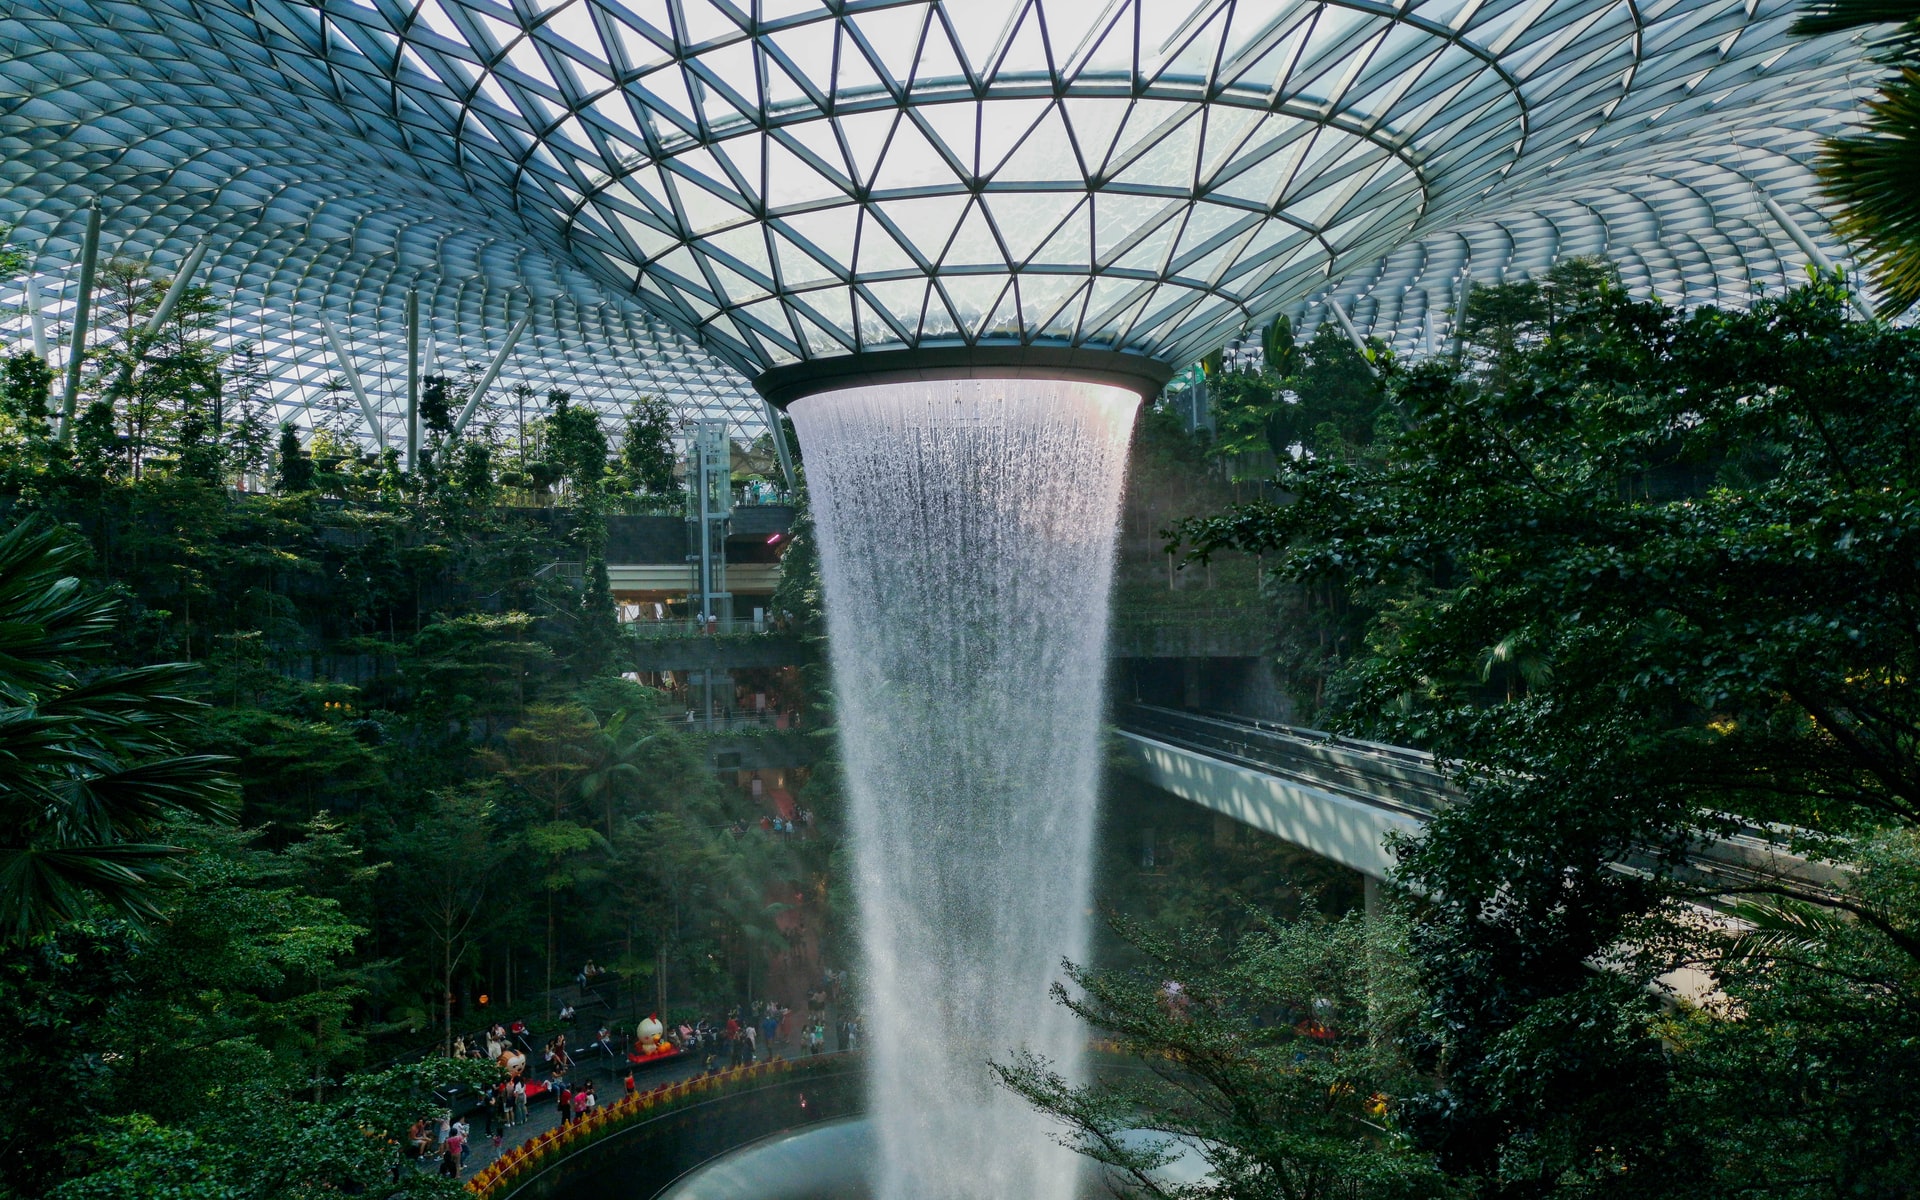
[(631, 1089), (565, 1103)]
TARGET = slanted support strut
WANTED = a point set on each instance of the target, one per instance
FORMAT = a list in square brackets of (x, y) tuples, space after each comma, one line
[(1810, 248), (158, 320), (1353, 335), (779, 432), (345, 363), (493, 372), (82, 317), (413, 379)]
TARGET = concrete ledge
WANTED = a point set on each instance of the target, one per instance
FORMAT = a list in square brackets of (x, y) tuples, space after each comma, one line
[(1348, 831)]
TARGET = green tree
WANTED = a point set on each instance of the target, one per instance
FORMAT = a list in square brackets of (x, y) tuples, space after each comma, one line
[(446, 867), (1644, 575), (294, 468), (1272, 1055), (24, 397), (647, 454), (96, 757)]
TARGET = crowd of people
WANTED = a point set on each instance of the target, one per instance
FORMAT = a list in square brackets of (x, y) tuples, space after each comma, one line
[(740, 1036)]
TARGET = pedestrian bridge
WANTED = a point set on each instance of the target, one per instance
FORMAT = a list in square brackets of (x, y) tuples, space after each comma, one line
[(1344, 799)]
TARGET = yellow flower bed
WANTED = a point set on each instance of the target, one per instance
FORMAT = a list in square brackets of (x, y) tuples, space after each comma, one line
[(500, 1175)]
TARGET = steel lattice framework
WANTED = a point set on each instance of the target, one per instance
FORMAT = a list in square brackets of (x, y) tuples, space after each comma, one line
[(686, 193)]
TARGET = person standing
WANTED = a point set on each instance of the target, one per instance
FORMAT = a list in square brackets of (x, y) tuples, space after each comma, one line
[(519, 1102), (451, 1152), (563, 1103), (747, 1054)]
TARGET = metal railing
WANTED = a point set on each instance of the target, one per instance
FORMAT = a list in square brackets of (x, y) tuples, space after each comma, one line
[(1397, 777), (675, 628)]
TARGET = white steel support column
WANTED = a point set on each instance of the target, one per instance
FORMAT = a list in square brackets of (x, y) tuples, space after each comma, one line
[(493, 372), (413, 379), (1810, 248), (37, 318), (345, 362), (1353, 335), (779, 432), (82, 315), (168, 303)]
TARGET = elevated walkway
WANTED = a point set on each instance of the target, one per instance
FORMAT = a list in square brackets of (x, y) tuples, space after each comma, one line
[(1342, 799)]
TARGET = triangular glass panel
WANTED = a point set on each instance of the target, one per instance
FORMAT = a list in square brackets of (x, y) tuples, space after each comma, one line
[(911, 161), (980, 24), (1046, 156), (1004, 321), (893, 34), (866, 135), (972, 297), (874, 329), (1147, 123), (1264, 70), (1041, 297), (1071, 245), (665, 92), (1026, 219), (902, 299), (1025, 56), (747, 245), (1113, 49), (797, 267), (853, 75), (792, 181), (738, 288), (732, 91), (808, 47), (938, 321), (1111, 327), (925, 223), (773, 315), (1002, 124), (831, 231), (782, 89), (939, 61), (1068, 23), (1119, 217), (1227, 129), (1150, 252), (1210, 264), (817, 138), (1255, 24), (1204, 223), (820, 342), (1262, 180), (641, 52), (1194, 60), (974, 244), (1170, 162), (832, 307), (952, 127), (879, 253), (705, 210)]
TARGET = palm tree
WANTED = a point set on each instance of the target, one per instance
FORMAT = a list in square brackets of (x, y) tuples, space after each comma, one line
[(1874, 174), (91, 761)]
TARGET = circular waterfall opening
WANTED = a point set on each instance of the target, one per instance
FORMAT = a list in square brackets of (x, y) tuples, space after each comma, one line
[(829, 1161)]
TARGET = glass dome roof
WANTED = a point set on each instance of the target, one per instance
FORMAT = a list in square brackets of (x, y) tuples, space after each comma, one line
[(778, 181)]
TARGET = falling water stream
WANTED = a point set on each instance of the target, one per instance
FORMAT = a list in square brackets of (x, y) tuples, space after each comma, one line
[(967, 540)]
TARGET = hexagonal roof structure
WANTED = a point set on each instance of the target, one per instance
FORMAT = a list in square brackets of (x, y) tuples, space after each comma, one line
[(689, 195)]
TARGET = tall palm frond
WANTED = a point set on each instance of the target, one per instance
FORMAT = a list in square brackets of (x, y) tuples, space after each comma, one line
[(1782, 927), (92, 757), (1873, 175)]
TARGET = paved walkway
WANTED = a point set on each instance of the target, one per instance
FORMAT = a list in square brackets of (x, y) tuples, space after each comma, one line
[(544, 1114)]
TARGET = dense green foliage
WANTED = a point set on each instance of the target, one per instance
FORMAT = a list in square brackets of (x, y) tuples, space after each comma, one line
[(314, 760), (1643, 574), (1270, 1053)]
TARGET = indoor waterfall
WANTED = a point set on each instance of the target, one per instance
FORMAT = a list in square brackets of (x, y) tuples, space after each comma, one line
[(967, 535)]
